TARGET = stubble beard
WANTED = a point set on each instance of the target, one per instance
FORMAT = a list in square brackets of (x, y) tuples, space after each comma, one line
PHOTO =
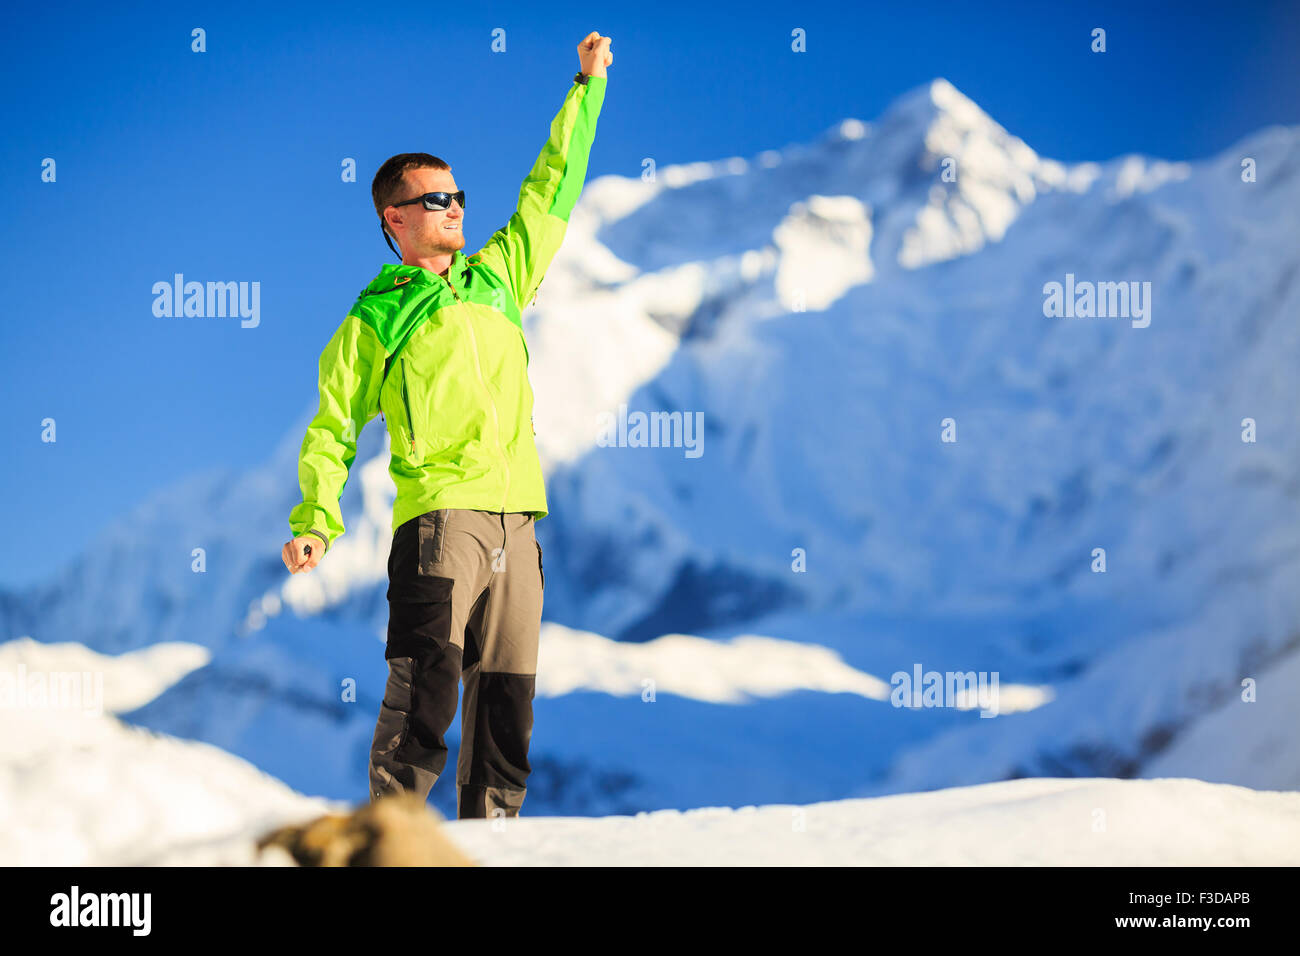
[(443, 242)]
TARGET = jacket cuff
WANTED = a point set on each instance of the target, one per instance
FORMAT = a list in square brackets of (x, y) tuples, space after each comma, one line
[(321, 536)]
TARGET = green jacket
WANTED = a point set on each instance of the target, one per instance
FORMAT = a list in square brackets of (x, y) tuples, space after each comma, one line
[(445, 360)]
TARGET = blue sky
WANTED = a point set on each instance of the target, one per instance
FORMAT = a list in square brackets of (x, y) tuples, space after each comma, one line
[(225, 166)]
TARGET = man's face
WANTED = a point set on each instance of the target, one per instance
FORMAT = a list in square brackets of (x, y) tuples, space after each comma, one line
[(422, 232)]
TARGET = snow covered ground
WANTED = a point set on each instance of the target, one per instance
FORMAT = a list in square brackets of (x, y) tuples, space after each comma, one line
[(1038, 822), (79, 787)]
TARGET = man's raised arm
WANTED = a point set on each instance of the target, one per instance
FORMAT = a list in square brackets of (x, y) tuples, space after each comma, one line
[(521, 251)]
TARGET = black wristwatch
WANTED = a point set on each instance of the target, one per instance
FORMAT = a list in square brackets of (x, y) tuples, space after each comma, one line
[(581, 77)]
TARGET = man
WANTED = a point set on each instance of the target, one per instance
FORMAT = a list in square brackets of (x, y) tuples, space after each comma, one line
[(436, 344)]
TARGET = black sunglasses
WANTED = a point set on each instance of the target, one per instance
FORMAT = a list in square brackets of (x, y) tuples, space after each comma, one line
[(432, 202), (435, 201)]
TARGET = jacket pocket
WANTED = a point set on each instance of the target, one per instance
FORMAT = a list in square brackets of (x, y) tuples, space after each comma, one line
[(406, 404)]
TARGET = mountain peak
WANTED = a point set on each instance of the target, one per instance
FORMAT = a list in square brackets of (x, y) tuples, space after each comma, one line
[(937, 102), (919, 109), (942, 176)]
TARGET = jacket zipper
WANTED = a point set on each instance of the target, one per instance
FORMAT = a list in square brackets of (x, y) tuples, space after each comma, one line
[(406, 402), (496, 418)]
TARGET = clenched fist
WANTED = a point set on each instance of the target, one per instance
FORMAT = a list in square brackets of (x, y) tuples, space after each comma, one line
[(594, 55), (295, 553)]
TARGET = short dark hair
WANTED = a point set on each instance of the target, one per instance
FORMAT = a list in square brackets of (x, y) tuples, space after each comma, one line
[(388, 182)]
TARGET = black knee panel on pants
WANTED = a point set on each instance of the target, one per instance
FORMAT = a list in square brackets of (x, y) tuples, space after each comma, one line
[(430, 709), (503, 727)]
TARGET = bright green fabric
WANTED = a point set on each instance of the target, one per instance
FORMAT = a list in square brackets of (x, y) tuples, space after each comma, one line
[(451, 350)]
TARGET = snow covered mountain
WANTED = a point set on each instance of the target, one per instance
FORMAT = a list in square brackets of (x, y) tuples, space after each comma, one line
[(826, 345), (822, 427)]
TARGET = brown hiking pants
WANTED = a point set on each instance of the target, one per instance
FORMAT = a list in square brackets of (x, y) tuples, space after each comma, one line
[(464, 603)]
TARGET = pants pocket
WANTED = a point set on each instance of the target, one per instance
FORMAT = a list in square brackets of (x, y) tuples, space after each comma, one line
[(419, 615), (395, 710), (401, 683), (540, 571), (431, 530)]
